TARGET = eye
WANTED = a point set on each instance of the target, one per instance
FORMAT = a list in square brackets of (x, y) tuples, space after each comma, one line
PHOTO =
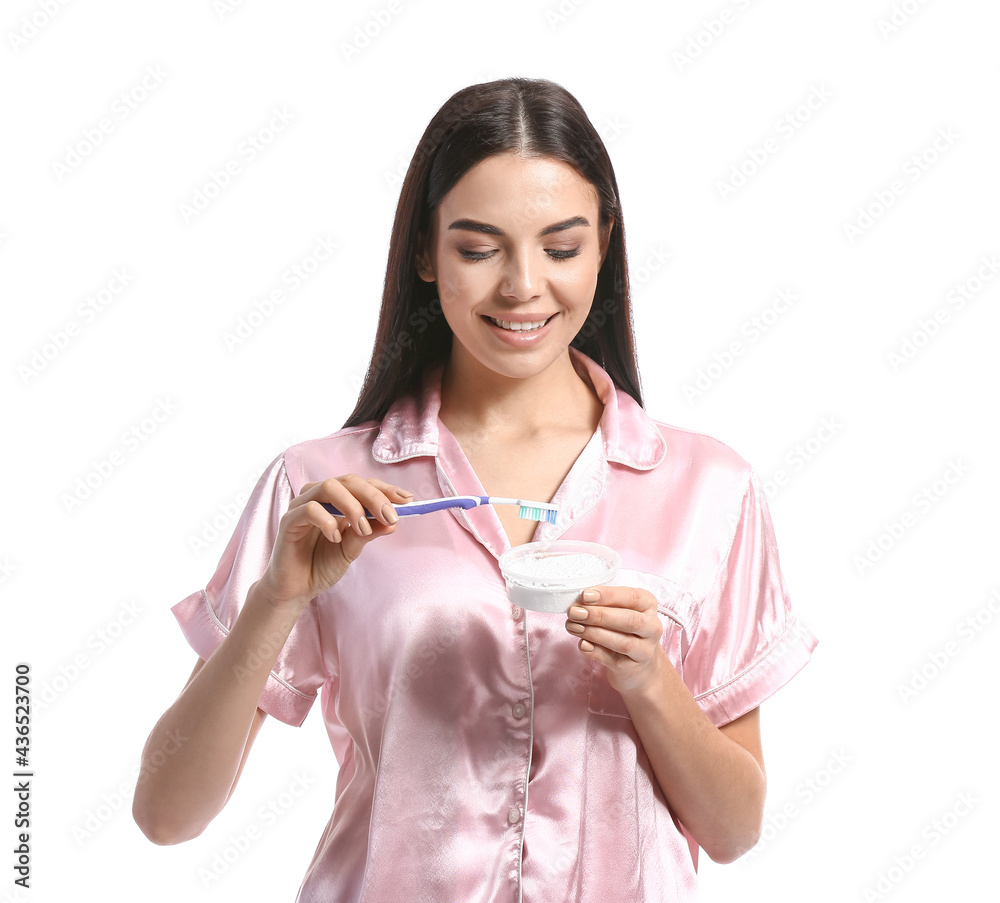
[(552, 252)]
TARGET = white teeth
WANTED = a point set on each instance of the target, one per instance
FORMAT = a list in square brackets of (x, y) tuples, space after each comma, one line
[(519, 327)]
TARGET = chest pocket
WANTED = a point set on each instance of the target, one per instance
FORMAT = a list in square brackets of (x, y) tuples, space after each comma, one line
[(673, 607)]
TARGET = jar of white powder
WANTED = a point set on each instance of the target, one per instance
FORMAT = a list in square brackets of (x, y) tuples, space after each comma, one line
[(550, 575)]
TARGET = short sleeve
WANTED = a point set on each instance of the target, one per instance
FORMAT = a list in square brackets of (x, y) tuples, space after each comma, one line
[(745, 643), (206, 616)]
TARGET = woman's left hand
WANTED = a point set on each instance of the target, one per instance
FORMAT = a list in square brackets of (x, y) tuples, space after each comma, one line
[(620, 629)]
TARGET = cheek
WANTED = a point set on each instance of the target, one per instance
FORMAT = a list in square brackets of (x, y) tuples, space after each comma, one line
[(457, 284), (575, 286)]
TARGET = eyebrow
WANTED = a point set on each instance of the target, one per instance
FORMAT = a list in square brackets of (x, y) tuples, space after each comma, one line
[(471, 225)]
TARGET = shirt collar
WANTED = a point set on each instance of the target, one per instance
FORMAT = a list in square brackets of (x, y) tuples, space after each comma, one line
[(629, 436)]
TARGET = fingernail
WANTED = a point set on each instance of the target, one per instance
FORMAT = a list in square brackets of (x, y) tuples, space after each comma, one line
[(389, 513), (576, 628), (405, 492), (586, 646), (579, 613), (591, 595)]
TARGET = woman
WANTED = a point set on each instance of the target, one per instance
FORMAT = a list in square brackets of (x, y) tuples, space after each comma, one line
[(488, 753)]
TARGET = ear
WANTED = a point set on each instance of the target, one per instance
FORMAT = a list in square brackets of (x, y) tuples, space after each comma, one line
[(424, 270), (606, 240)]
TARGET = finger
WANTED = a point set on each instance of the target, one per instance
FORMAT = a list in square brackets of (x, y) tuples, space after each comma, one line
[(306, 515), (388, 488), (624, 644), (624, 620), (619, 597), (333, 491), (403, 495), (312, 514), (352, 495), (374, 494), (600, 654), (393, 495), (391, 489)]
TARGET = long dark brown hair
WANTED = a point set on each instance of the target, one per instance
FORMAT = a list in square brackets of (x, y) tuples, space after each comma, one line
[(533, 117)]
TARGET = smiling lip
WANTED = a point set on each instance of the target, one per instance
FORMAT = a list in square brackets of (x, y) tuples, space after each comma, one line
[(522, 338), (521, 318)]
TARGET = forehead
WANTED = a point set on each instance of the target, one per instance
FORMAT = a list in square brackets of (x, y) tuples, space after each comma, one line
[(509, 189)]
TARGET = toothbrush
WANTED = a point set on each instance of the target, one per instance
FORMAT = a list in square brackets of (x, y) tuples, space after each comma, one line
[(540, 511)]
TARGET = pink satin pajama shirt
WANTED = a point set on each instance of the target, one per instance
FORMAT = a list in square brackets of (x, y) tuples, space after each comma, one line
[(482, 756)]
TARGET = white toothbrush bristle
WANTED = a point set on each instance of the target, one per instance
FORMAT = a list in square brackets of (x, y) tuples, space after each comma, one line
[(528, 513)]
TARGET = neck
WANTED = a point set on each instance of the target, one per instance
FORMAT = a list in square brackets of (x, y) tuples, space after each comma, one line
[(476, 399)]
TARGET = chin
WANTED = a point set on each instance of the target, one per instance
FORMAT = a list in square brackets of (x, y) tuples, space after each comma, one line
[(528, 363)]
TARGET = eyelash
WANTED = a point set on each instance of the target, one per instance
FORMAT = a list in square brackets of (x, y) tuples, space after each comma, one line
[(485, 255)]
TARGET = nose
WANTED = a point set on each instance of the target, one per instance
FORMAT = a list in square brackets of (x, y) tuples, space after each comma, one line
[(520, 280)]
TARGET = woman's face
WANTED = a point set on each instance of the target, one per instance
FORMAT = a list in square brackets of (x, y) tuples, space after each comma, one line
[(516, 240)]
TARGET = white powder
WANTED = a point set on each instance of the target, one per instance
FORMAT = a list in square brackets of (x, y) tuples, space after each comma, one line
[(554, 568)]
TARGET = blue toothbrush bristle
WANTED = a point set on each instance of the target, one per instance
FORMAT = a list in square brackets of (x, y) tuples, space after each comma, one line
[(546, 514)]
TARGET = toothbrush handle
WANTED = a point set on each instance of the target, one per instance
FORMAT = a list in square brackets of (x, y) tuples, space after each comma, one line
[(424, 507)]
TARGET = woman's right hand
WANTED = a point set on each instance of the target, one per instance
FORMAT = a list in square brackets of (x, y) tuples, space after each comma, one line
[(313, 548)]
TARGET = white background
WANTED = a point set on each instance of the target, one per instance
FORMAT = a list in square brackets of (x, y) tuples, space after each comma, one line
[(858, 774)]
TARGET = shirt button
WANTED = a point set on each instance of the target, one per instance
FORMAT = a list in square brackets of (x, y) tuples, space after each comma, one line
[(514, 816), (515, 612), (519, 710)]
